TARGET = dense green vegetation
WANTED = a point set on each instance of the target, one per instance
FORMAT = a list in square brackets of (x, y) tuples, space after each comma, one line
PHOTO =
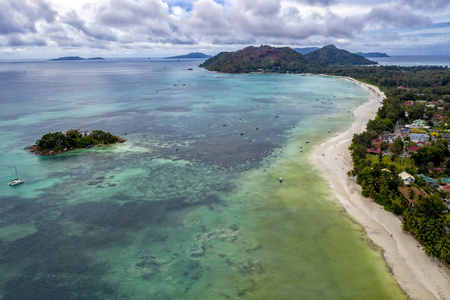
[(281, 60), (256, 59), (73, 139), (330, 55)]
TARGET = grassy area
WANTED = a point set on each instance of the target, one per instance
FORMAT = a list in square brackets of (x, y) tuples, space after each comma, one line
[(399, 162)]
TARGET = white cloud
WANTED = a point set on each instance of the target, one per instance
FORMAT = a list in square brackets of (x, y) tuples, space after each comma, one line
[(138, 26)]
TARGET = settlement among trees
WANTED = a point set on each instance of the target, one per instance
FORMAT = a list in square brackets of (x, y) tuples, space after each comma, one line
[(58, 142), (402, 160)]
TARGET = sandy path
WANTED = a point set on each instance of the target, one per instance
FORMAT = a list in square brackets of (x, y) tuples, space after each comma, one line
[(421, 276)]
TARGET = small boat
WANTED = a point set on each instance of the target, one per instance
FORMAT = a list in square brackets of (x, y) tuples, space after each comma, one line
[(276, 116), (15, 181)]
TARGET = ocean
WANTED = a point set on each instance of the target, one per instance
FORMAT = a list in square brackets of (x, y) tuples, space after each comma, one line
[(190, 206), (414, 60)]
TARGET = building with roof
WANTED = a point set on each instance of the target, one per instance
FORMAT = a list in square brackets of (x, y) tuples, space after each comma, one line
[(406, 178), (419, 137), (416, 193)]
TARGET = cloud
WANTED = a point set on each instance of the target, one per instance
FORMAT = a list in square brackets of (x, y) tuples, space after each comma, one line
[(22, 16), (138, 25), (397, 16), (99, 33), (427, 5), (17, 41)]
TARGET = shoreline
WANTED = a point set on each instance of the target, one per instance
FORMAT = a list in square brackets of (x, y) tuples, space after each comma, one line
[(420, 276)]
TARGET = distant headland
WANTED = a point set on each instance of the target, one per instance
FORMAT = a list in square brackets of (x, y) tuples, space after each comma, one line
[(76, 58), (59, 142), (372, 54), (190, 55), (282, 60)]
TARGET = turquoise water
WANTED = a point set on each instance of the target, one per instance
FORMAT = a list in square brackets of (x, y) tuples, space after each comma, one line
[(187, 207)]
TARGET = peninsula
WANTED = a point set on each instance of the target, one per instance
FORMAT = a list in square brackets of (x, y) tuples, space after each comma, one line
[(59, 142), (372, 54), (190, 56)]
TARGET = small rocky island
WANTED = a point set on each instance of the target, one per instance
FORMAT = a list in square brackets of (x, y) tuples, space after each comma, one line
[(59, 142), (76, 58)]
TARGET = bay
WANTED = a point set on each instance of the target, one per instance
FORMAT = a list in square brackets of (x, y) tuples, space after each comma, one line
[(190, 206)]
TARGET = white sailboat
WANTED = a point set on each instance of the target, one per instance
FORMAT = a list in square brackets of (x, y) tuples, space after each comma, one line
[(15, 181)]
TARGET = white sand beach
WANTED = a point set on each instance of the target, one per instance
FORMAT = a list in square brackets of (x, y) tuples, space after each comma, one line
[(421, 276)]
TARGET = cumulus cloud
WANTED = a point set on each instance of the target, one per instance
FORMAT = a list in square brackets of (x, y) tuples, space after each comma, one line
[(397, 16), (145, 24), (428, 5), (22, 16)]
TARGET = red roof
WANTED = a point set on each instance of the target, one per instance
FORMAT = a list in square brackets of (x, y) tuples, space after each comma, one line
[(413, 148), (438, 117), (374, 150), (409, 103), (447, 187)]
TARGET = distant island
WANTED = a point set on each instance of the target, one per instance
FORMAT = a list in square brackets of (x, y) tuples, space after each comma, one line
[(59, 142), (76, 58), (282, 60), (372, 54), (190, 55)]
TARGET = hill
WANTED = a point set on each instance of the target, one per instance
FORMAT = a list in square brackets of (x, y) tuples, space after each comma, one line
[(190, 55), (260, 59), (306, 50), (330, 55), (372, 54)]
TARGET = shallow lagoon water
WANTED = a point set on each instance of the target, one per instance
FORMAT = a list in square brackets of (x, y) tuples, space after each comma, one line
[(173, 213)]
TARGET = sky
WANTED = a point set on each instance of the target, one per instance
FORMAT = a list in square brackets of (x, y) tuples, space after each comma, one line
[(160, 28)]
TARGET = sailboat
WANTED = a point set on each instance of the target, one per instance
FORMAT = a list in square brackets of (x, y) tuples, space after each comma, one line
[(15, 181)]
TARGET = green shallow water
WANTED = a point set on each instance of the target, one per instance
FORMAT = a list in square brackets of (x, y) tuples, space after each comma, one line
[(143, 220)]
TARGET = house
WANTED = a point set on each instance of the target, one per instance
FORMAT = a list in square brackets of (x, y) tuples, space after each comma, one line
[(429, 180), (388, 137), (413, 148), (377, 143), (439, 117), (445, 180), (406, 178), (419, 137), (373, 150), (405, 191), (446, 136), (434, 135), (406, 131), (409, 103)]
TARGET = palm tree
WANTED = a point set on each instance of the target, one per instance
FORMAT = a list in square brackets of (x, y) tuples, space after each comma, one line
[(431, 249), (411, 194)]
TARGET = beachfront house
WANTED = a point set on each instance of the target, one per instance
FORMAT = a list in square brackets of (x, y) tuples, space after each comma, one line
[(412, 194), (406, 178)]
